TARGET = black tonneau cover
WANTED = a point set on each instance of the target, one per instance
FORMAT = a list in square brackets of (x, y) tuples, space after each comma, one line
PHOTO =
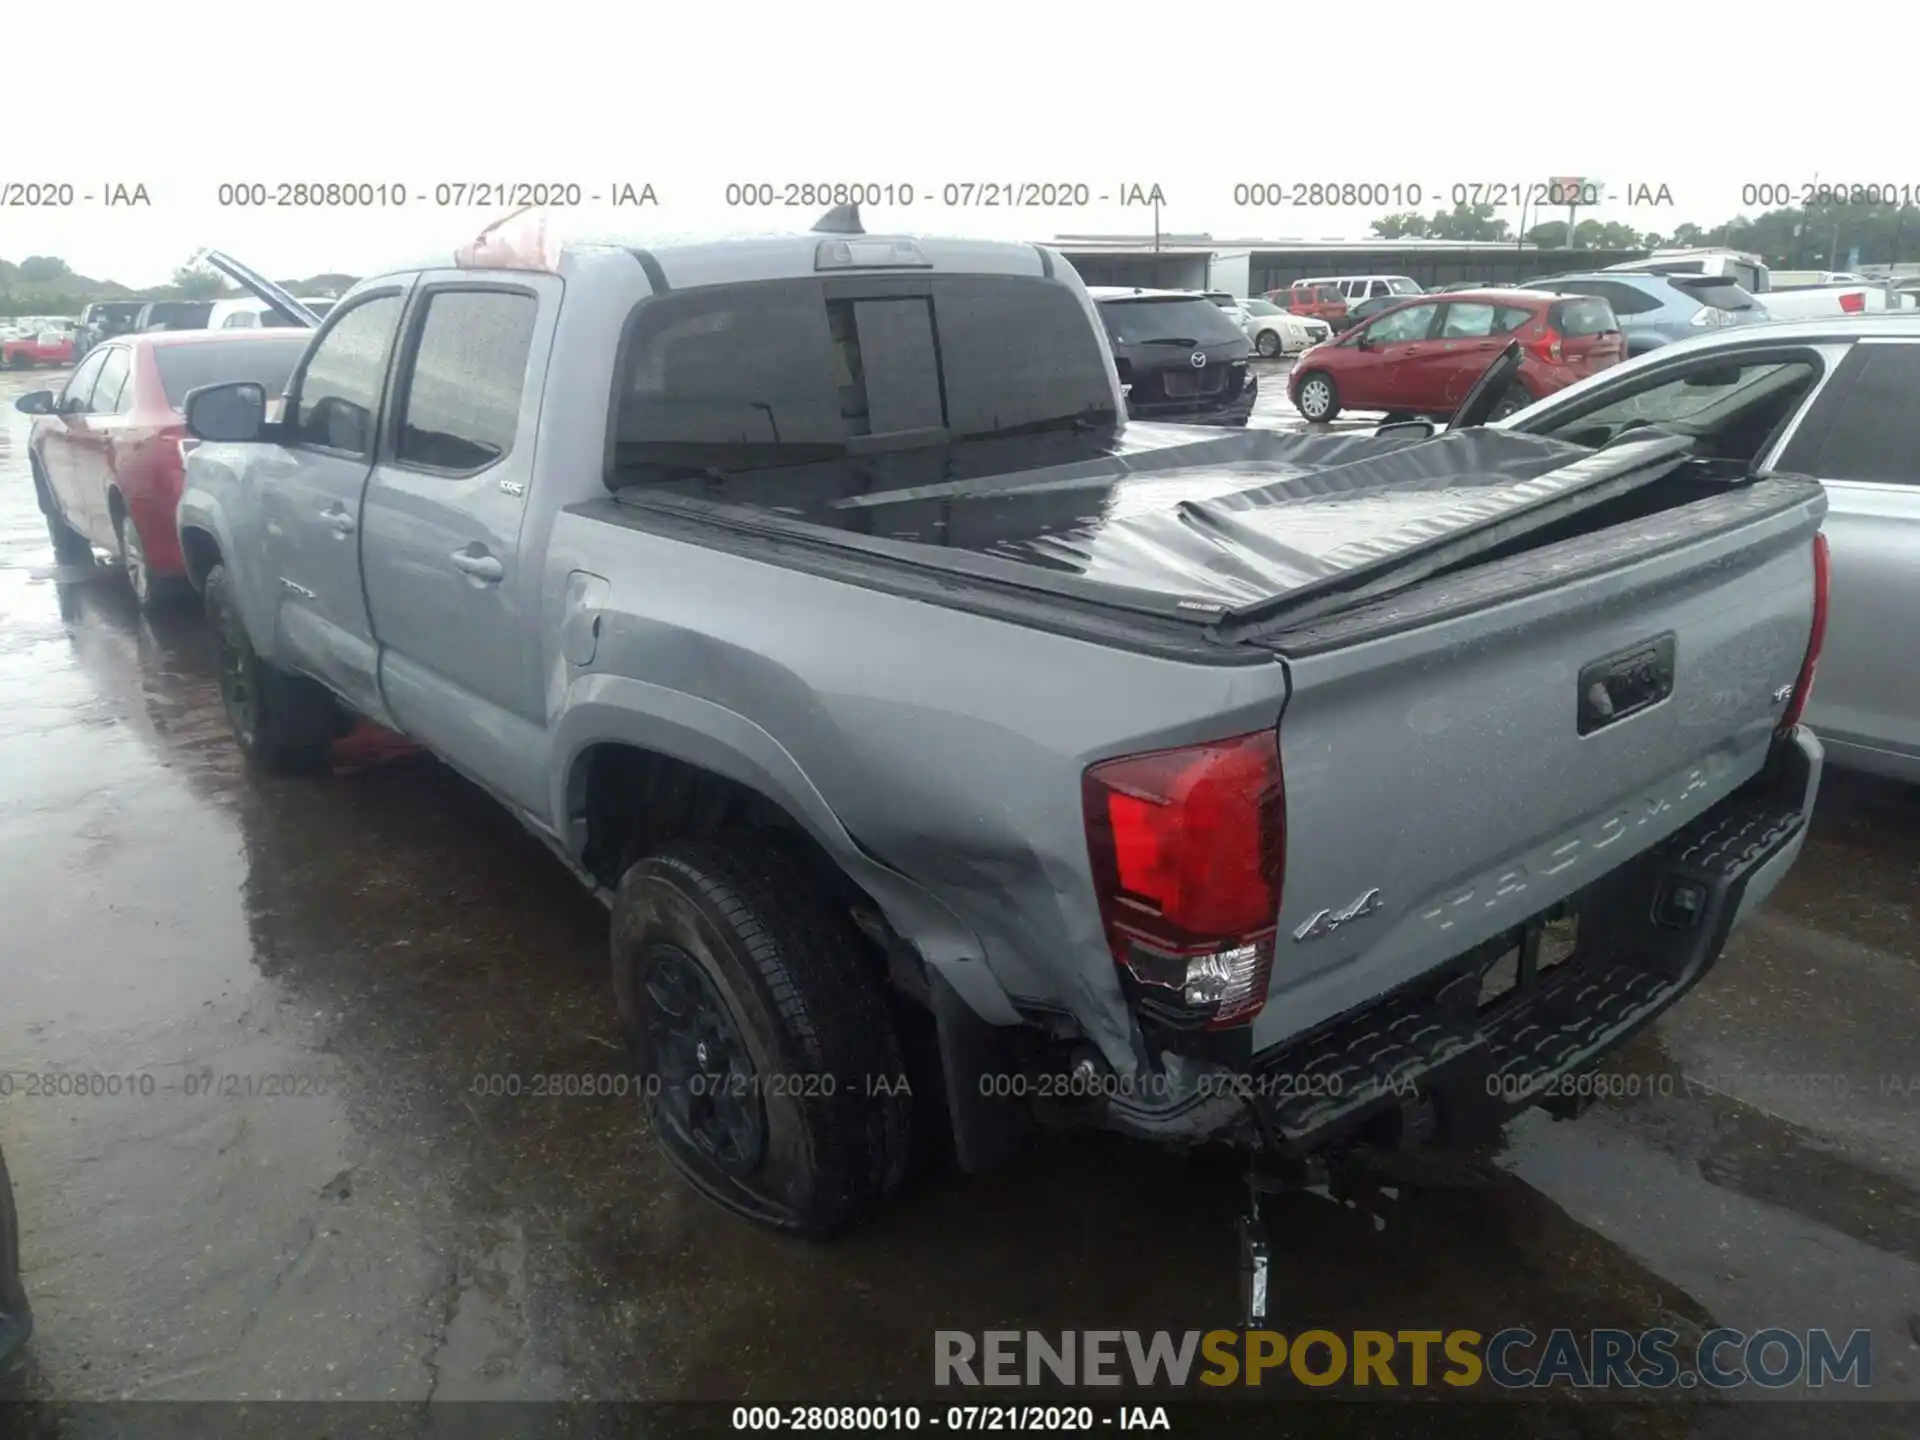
[(1245, 525)]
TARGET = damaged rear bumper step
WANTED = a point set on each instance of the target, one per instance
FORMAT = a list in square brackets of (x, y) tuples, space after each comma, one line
[(1454, 1064)]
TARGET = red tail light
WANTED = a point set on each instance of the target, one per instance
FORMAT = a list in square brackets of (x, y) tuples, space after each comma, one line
[(1816, 638), (1853, 302), (1188, 849), (1546, 345)]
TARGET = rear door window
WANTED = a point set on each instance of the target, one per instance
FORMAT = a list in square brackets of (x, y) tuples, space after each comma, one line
[(1469, 321), (460, 405), (1873, 433), (111, 387)]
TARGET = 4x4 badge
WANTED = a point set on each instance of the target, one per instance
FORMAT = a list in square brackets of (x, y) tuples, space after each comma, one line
[(1328, 921)]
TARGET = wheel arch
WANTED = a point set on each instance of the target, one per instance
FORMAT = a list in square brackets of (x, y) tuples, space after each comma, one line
[(633, 750)]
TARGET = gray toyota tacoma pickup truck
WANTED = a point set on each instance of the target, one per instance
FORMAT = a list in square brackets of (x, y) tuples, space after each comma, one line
[(812, 599)]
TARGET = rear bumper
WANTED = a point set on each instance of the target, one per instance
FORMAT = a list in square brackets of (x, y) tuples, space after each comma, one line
[(1433, 1049)]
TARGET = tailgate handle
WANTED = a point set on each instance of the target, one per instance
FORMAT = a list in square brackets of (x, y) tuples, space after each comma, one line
[(1625, 683)]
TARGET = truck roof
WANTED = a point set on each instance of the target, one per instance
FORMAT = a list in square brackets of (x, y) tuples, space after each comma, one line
[(533, 240)]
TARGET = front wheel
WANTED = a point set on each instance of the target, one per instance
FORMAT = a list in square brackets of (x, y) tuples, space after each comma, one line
[(1318, 398), (282, 723), (1268, 344), (761, 1034)]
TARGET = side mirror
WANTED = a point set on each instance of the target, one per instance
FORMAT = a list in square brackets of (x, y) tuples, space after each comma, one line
[(235, 412), (1411, 429), (35, 402), (1364, 340)]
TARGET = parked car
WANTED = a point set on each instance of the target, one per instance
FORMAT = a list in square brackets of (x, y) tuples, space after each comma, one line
[(1355, 288), (815, 600), (255, 314), (1280, 332), (1180, 357), (1324, 303), (47, 347), (107, 453), (1837, 399), (1750, 273), (16, 1315), (104, 319), (1422, 357), (173, 315), (1460, 285), (1656, 310)]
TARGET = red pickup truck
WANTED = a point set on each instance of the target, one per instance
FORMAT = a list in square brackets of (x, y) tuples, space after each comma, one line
[(49, 347)]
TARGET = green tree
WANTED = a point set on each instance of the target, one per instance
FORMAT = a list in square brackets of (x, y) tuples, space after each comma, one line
[(1409, 224), (1468, 222), (38, 269), (198, 282)]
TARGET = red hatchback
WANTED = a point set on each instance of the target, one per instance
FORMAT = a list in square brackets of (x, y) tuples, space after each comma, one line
[(1423, 357), (108, 453)]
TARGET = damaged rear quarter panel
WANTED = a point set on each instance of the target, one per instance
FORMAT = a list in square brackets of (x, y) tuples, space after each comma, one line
[(949, 745)]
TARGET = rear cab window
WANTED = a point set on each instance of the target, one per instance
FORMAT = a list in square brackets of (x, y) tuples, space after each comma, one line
[(792, 372)]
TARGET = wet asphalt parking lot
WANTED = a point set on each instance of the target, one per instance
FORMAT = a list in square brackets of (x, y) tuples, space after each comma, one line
[(380, 941)]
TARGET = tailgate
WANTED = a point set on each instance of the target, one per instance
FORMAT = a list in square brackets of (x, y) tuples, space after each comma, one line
[(1450, 764)]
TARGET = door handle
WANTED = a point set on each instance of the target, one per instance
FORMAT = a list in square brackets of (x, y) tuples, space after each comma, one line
[(480, 567), (342, 522)]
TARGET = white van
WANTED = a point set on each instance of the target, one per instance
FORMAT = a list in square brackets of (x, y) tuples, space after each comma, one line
[(1366, 287)]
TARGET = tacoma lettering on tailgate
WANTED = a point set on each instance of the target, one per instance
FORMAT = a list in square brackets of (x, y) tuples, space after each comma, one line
[(1596, 842)]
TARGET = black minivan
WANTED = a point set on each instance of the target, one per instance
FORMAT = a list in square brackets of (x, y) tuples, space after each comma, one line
[(1181, 357)]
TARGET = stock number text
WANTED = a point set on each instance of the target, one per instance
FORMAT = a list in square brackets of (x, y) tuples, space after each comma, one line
[(1786, 194), (311, 194)]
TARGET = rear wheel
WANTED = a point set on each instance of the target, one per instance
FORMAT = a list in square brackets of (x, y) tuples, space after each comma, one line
[(1268, 343), (153, 592), (1319, 397), (768, 1058), (1516, 398), (282, 723)]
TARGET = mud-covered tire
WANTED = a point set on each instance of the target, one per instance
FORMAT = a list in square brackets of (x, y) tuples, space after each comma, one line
[(282, 723), (1319, 397), (738, 954)]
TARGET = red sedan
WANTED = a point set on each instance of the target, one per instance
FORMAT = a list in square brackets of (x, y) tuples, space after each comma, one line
[(1422, 357), (108, 453)]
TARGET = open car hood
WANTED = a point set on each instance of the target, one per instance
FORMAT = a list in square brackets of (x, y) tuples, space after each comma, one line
[(1245, 526), (279, 301)]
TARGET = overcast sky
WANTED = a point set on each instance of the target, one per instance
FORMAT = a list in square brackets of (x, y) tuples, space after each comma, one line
[(688, 98)]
